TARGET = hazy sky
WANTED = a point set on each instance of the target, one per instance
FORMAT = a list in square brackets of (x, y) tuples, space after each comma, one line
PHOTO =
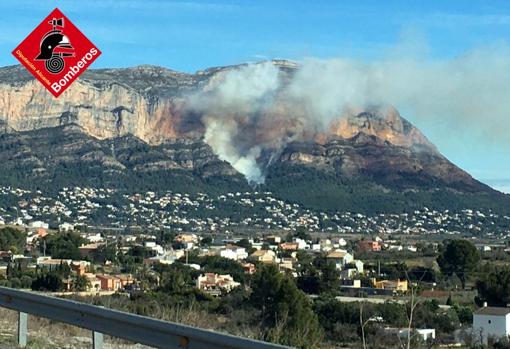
[(193, 35)]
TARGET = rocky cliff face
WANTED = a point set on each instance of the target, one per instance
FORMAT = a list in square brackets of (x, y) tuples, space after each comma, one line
[(148, 102), (385, 123), (104, 103), (134, 122)]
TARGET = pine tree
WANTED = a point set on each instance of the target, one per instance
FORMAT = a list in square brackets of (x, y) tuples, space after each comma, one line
[(287, 314)]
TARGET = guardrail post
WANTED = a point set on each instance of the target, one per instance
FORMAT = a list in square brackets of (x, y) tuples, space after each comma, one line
[(22, 329), (97, 340)]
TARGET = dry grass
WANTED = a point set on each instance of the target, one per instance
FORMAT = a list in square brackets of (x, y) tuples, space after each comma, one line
[(46, 334)]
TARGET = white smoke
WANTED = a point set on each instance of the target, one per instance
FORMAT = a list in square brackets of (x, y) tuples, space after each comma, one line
[(245, 86), (219, 136), (256, 107), (229, 104)]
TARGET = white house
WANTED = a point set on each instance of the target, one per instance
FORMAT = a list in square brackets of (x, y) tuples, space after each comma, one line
[(424, 333), (38, 224), (302, 244), (92, 237), (491, 322), (234, 252), (315, 247), (64, 227), (326, 245), (338, 242), (155, 247)]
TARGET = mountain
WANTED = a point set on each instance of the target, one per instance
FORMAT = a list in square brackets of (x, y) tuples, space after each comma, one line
[(133, 129)]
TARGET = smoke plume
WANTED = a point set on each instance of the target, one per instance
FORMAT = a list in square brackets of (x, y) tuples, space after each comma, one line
[(256, 108)]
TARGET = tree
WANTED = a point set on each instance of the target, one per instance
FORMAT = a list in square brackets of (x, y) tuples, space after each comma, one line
[(165, 238), (175, 279), (80, 283), (494, 288), (26, 281), (106, 253), (301, 233), (329, 275), (50, 281), (244, 243), (15, 282), (458, 257), (206, 241), (12, 239), (219, 265), (139, 253), (287, 314), (64, 245)]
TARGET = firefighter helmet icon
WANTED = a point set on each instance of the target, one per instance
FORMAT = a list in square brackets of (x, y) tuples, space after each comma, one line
[(54, 47)]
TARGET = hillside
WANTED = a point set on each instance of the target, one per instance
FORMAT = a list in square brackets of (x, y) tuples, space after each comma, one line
[(142, 128)]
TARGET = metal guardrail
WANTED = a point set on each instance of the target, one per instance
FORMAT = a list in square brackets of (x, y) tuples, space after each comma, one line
[(135, 328)]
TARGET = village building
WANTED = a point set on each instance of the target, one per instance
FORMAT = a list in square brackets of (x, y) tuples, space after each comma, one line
[(233, 252), (94, 282), (109, 282), (289, 246), (79, 268), (89, 250), (126, 279), (263, 256), (215, 284), (340, 258), (50, 262), (38, 224), (492, 322), (351, 269), (425, 334), (390, 285), (273, 239), (369, 246), (92, 237), (65, 227), (187, 241), (152, 245)]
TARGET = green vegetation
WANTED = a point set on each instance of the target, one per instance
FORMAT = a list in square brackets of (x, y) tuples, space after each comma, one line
[(64, 245), (219, 265), (327, 191), (494, 287), (458, 257), (315, 189), (47, 144), (317, 275), (13, 240), (287, 315), (50, 281)]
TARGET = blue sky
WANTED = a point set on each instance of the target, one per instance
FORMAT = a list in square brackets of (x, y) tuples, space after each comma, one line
[(193, 35)]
